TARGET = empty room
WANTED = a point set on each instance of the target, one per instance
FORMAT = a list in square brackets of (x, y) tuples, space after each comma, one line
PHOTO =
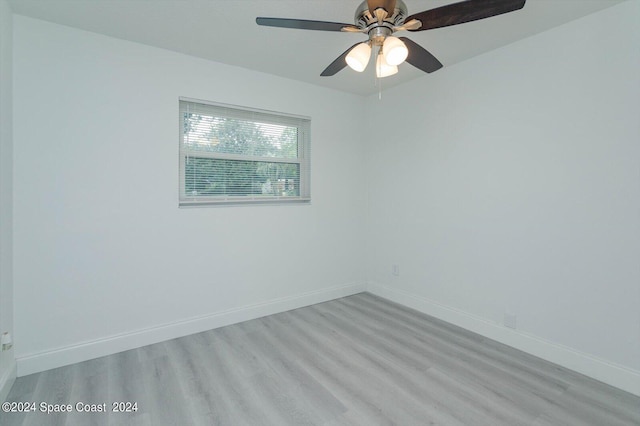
[(320, 212)]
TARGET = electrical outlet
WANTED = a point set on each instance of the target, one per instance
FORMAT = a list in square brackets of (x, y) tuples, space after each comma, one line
[(395, 270), (509, 320)]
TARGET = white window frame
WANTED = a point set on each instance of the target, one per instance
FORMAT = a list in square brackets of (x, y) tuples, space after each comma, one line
[(303, 159)]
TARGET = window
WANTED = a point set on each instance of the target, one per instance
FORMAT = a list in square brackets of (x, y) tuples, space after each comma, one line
[(238, 155)]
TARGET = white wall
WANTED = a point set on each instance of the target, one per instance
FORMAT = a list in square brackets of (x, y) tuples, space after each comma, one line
[(104, 258), (510, 184), (7, 360)]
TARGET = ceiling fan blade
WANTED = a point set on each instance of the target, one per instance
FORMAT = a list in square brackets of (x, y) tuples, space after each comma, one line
[(465, 11), (420, 58), (303, 24), (337, 65), (388, 5)]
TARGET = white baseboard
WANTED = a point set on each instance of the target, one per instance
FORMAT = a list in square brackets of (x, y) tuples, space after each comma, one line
[(604, 371), (6, 380), (58, 357)]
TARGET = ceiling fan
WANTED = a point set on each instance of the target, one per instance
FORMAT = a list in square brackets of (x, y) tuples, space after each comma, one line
[(379, 19)]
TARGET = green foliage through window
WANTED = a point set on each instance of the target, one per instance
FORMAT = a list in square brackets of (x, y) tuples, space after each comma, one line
[(240, 154)]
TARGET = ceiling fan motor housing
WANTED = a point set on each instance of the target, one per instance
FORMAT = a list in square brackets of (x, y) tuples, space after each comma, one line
[(378, 29)]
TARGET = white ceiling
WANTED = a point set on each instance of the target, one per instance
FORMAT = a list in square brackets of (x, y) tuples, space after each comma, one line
[(225, 31)]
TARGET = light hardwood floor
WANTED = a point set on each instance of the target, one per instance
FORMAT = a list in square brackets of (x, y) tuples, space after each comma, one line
[(359, 360)]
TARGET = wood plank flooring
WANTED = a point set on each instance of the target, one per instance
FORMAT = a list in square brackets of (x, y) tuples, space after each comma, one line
[(359, 360)]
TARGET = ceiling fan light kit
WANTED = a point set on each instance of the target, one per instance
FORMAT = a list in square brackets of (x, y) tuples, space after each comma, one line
[(383, 68), (394, 50), (379, 19), (358, 57)]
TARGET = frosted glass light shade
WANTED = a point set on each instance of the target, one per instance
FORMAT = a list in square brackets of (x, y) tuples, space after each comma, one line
[(359, 56), (395, 51), (383, 69)]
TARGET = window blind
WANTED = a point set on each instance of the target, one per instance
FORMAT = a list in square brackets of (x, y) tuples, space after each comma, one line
[(238, 155)]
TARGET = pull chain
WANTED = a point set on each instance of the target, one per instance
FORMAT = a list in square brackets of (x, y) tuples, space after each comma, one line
[(378, 79)]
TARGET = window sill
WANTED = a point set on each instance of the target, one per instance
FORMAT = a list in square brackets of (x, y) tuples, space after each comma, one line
[(232, 201)]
